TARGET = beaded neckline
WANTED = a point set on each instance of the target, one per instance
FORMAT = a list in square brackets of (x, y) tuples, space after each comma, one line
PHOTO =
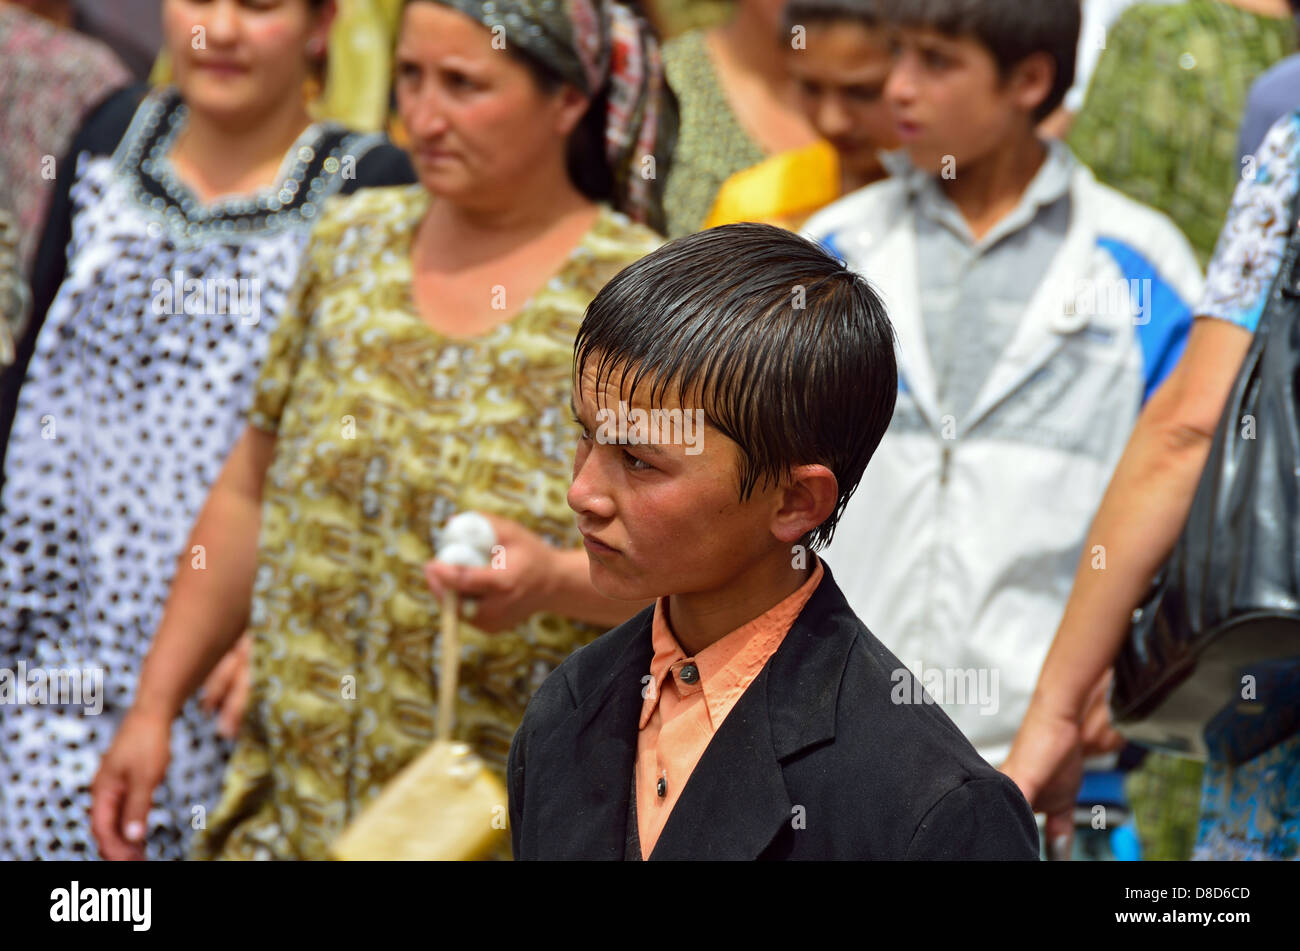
[(308, 175)]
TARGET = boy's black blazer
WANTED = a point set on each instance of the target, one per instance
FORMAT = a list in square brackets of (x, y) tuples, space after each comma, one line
[(815, 761)]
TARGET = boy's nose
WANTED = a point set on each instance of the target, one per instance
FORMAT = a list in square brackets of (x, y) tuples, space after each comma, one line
[(900, 87), (588, 494), (832, 120)]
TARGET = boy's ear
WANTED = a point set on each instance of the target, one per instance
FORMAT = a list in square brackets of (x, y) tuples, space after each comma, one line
[(1030, 82), (804, 503)]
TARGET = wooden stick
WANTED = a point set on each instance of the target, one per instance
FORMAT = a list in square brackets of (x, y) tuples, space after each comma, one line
[(450, 664)]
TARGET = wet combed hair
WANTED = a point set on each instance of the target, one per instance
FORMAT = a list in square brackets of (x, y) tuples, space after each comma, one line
[(1011, 30), (788, 352), (806, 12)]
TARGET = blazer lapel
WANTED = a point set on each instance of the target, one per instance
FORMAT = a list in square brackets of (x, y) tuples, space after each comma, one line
[(589, 810), (736, 801)]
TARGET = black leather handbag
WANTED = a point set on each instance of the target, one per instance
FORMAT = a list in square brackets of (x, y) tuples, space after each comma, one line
[(1211, 666)]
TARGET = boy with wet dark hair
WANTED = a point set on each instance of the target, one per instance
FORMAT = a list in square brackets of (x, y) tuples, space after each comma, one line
[(1036, 311), (730, 389)]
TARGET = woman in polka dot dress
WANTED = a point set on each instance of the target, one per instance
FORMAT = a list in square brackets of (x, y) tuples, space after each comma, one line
[(176, 229)]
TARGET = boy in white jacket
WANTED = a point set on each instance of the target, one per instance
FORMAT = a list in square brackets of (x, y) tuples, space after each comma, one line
[(1036, 310)]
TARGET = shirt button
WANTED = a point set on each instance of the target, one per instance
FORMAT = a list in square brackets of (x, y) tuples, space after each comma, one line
[(690, 673)]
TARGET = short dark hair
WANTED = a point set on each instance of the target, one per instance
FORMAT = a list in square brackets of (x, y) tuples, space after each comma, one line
[(1011, 30), (789, 352), (804, 12)]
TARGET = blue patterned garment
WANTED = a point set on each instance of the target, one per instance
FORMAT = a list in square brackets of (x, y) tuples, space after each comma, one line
[(1252, 811), (1250, 248)]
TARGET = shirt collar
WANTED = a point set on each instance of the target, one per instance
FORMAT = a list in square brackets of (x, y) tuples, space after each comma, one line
[(728, 666), (1049, 184)]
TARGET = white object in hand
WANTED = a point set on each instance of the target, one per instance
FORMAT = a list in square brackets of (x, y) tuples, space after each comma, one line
[(467, 539), (471, 530), (458, 553)]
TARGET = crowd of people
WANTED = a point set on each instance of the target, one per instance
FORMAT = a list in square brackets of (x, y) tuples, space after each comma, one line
[(281, 299)]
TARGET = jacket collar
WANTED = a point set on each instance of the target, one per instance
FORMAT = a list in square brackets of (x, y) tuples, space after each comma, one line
[(889, 258), (735, 802), (1050, 183)]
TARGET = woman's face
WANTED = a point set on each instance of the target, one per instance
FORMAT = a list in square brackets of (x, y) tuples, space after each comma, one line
[(240, 57), (480, 127)]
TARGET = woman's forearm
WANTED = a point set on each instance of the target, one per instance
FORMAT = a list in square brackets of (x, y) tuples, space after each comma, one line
[(208, 606), (1141, 514), (1140, 518)]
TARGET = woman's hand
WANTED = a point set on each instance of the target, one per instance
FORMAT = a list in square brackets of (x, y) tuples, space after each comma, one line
[(1098, 735), (122, 791), (1046, 762), (1046, 759), (519, 582), (225, 692)]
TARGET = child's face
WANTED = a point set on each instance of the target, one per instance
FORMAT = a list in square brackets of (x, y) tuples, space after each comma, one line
[(240, 59), (950, 104), (662, 519), (840, 78)]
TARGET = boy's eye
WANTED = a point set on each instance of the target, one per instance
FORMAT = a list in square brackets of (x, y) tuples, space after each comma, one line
[(635, 464), (863, 93), (935, 60), (582, 430)]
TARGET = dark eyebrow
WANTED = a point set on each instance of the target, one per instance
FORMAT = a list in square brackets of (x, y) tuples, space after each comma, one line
[(651, 448)]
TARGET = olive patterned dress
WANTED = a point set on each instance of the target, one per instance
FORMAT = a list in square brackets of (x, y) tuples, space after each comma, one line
[(711, 146), (386, 429)]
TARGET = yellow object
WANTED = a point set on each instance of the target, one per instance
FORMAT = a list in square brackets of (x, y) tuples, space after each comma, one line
[(161, 74), (445, 806), (783, 190), (360, 76)]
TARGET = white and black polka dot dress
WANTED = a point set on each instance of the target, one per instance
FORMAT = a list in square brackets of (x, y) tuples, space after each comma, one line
[(127, 410)]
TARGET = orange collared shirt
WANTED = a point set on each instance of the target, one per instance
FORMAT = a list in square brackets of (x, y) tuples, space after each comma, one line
[(681, 713)]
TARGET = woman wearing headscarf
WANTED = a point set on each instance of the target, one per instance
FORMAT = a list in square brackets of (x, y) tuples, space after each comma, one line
[(424, 368), (175, 230)]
